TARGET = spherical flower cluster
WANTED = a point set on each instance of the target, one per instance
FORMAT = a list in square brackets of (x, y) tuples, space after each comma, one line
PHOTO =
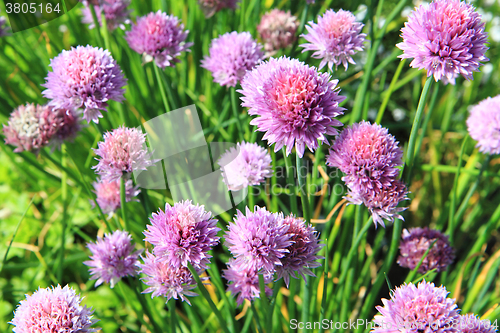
[(484, 125), (246, 165), (53, 310), (182, 234), (470, 323), (166, 280), (415, 243), (159, 37), (302, 253), (231, 56), (210, 7), (446, 38), (4, 29), (335, 39), (115, 11), (369, 156), (84, 77), (422, 308), (277, 30), (243, 281), (112, 258), (122, 152), (32, 127), (108, 194), (295, 104)]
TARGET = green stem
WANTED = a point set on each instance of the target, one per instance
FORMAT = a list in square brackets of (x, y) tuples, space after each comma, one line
[(256, 316), (410, 153), (171, 309), (412, 273), (235, 113), (64, 196), (385, 101), (144, 304), (96, 25), (105, 32), (325, 287), (123, 199), (303, 190), (291, 181), (162, 89)]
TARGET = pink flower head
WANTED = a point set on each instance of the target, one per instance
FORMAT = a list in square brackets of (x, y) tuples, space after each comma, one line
[(277, 30), (84, 77), (160, 37), (302, 253), (67, 123), (243, 281), (295, 104), (122, 152), (335, 38), (421, 308), (445, 37), (246, 165), (183, 233), (230, 57), (112, 258), (210, 7), (415, 243), (53, 309), (369, 157), (165, 280), (470, 323), (258, 239), (115, 11), (483, 125), (108, 194)]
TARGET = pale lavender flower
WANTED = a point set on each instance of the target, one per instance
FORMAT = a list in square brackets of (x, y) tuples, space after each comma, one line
[(53, 309), (446, 38), (258, 239), (112, 258), (210, 7), (230, 57), (303, 251), (415, 243), (295, 104), (165, 280), (84, 77), (335, 38), (243, 281), (421, 308), (182, 234), (246, 165), (277, 30), (116, 13), (369, 156), (122, 152), (159, 37), (470, 323), (108, 194), (483, 125), (4, 28), (68, 125)]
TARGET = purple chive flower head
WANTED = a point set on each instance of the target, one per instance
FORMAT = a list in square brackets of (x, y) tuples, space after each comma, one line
[(108, 194), (303, 251), (422, 308), (122, 152), (165, 280), (295, 104), (369, 156), (445, 37), (335, 39), (258, 239), (53, 309), (470, 323), (230, 57), (159, 37), (415, 243), (4, 29), (112, 258), (68, 125), (115, 11), (243, 281), (483, 125), (246, 165), (210, 7), (182, 234), (84, 77), (277, 30)]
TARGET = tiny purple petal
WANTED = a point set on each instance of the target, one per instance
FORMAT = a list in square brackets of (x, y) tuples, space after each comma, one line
[(243, 281), (115, 11)]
